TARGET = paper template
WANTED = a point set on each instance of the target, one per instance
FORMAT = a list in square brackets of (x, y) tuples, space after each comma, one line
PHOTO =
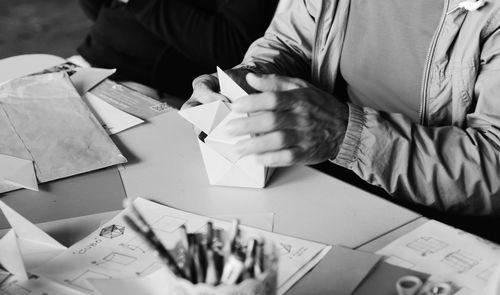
[(448, 254), (44, 120), (25, 246), (112, 119), (114, 251)]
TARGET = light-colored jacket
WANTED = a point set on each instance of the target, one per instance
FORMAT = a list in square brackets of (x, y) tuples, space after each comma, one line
[(451, 160)]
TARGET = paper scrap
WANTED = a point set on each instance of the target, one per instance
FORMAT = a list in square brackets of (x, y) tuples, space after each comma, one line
[(18, 172), (112, 119), (448, 254), (25, 246)]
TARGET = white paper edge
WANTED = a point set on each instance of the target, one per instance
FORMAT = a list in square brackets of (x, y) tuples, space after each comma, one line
[(303, 271)]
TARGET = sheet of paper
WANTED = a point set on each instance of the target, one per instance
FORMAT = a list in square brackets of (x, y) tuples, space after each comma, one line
[(115, 251), (447, 253), (25, 246), (43, 119), (130, 101), (32, 286), (112, 119)]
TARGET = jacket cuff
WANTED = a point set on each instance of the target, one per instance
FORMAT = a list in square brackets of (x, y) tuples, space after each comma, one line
[(348, 152)]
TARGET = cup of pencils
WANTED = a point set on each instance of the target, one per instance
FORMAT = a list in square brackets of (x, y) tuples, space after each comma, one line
[(214, 261)]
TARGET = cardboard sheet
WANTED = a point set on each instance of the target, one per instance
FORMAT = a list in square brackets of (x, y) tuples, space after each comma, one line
[(44, 120)]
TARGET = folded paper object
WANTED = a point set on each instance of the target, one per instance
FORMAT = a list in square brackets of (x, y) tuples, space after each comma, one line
[(48, 133), (223, 164), (25, 246)]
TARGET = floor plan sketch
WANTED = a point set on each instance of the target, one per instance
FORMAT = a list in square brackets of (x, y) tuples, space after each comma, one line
[(117, 258), (427, 245), (136, 244), (81, 280), (447, 253), (460, 261), (487, 273)]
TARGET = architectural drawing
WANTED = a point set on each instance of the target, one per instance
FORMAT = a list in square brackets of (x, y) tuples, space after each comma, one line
[(81, 280), (136, 244), (460, 261), (427, 245), (116, 258), (487, 273), (112, 231)]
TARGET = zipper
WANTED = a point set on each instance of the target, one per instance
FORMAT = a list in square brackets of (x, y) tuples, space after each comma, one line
[(427, 68)]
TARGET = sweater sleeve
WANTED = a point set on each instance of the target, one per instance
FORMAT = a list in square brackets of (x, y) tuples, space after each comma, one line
[(455, 169), (216, 36)]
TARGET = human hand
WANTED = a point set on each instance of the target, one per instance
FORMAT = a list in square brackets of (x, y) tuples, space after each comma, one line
[(206, 87), (291, 122)]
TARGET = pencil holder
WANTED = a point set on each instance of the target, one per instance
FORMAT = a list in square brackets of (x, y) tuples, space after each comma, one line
[(263, 284)]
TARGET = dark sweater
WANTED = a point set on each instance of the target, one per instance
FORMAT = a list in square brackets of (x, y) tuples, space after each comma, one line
[(165, 44)]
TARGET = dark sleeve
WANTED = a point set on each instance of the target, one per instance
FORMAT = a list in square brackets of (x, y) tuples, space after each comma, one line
[(91, 8), (210, 37)]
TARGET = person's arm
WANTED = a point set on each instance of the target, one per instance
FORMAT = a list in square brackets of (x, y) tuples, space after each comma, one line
[(448, 167), (208, 37)]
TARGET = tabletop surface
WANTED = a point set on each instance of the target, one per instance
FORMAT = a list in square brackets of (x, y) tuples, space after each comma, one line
[(165, 165)]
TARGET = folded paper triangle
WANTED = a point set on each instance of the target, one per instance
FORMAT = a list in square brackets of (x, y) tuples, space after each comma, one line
[(206, 116), (18, 172), (25, 246)]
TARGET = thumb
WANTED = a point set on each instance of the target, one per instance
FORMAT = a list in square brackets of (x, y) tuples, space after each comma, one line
[(273, 82)]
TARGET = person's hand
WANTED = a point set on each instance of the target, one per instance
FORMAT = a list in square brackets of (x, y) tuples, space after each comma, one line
[(206, 87), (291, 122), (205, 90)]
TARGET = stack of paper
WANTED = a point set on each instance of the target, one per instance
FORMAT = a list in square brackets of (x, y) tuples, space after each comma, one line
[(48, 133)]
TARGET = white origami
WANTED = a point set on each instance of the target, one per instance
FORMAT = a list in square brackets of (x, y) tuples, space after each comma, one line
[(223, 164), (25, 246)]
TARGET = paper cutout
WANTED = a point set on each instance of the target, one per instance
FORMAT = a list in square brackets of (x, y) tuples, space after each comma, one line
[(112, 119), (18, 172), (25, 246), (85, 79), (223, 163)]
